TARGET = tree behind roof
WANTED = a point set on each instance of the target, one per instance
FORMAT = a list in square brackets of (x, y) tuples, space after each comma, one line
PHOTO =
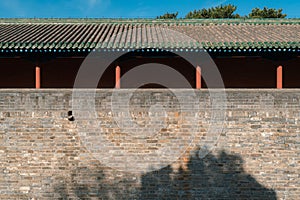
[(225, 11), (168, 16), (266, 13)]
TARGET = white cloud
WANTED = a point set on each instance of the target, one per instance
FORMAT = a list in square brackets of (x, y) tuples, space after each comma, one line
[(214, 3), (87, 6), (92, 3), (14, 7)]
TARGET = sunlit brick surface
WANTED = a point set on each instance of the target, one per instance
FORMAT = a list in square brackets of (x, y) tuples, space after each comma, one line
[(256, 157)]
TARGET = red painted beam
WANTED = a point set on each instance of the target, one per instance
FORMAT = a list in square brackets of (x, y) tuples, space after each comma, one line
[(198, 77), (37, 77), (279, 77), (118, 77)]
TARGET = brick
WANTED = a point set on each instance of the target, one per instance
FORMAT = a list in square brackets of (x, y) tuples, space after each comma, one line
[(256, 156)]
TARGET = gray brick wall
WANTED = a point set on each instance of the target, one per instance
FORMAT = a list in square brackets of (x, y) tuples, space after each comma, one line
[(43, 155)]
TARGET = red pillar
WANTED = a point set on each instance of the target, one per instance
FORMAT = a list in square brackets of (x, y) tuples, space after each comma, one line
[(37, 77), (279, 77), (198, 77), (118, 76)]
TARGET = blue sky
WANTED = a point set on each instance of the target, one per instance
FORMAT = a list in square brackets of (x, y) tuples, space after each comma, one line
[(130, 8)]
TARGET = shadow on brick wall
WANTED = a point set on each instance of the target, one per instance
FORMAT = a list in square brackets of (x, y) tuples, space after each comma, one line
[(90, 182), (82, 183), (214, 177)]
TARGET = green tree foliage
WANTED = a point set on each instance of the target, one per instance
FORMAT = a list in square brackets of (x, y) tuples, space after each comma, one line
[(223, 11), (227, 11), (266, 13), (168, 16)]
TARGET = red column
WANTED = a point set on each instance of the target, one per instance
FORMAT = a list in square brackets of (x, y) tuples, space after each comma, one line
[(37, 77), (279, 77), (198, 77), (118, 76)]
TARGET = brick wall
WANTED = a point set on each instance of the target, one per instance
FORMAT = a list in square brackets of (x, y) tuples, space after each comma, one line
[(43, 155)]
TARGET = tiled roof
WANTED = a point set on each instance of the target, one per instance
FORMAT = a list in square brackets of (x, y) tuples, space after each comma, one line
[(55, 34)]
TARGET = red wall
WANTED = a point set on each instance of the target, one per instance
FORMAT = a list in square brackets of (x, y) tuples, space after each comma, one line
[(237, 72)]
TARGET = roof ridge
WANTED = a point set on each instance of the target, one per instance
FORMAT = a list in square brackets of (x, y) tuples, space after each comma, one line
[(149, 21)]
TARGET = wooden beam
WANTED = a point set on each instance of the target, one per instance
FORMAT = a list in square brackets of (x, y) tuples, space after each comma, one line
[(118, 77), (37, 77), (198, 77), (279, 77)]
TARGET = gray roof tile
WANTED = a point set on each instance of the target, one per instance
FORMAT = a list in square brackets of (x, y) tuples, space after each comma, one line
[(105, 33)]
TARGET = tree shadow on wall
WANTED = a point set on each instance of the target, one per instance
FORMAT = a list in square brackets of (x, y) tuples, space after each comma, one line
[(82, 183), (214, 177), (90, 182)]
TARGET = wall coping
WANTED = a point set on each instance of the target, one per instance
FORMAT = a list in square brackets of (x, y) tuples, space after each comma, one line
[(144, 90)]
